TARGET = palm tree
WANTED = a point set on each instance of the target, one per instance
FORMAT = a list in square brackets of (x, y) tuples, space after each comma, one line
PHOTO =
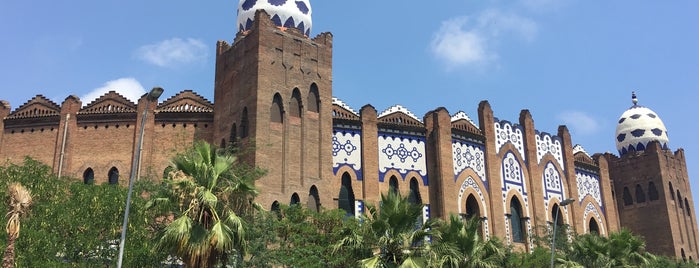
[(395, 234), (621, 249), (19, 202), (203, 192), (470, 247)]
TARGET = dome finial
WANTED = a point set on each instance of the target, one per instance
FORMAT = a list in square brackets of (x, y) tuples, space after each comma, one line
[(633, 98)]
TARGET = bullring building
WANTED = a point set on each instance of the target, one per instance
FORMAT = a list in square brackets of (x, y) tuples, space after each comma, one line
[(273, 91)]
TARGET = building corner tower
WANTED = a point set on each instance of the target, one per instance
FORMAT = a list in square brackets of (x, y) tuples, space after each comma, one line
[(651, 183), (273, 95)]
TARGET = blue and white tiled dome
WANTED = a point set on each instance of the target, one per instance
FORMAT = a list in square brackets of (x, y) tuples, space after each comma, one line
[(637, 127), (284, 13)]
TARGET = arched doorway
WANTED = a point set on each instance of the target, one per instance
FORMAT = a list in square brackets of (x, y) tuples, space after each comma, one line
[(346, 196), (313, 199), (593, 226)]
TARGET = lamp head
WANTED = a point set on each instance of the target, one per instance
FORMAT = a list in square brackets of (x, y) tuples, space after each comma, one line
[(155, 93), (567, 202)]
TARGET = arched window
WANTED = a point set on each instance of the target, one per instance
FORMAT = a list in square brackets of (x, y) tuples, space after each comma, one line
[(234, 135), (244, 124), (89, 176), (276, 209), (313, 199), (684, 256), (346, 198), (295, 103), (472, 207), (679, 198), (113, 176), (686, 207), (313, 99), (593, 226), (640, 194), (516, 221), (652, 192), (393, 185), (672, 191), (295, 200), (223, 143), (628, 200), (414, 196), (556, 215), (276, 110)]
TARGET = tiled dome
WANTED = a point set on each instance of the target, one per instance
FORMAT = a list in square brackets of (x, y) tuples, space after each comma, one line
[(638, 126), (284, 13)]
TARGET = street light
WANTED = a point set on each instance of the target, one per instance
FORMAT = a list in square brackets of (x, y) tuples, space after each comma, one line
[(153, 95), (555, 221)]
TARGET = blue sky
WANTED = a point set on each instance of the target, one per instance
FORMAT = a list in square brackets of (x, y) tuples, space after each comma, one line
[(569, 62)]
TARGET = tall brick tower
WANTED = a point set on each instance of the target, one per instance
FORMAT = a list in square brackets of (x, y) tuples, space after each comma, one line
[(652, 186), (273, 91)]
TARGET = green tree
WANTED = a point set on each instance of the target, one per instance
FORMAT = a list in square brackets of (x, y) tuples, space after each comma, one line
[(621, 249), (200, 196), (464, 239), (394, 234)]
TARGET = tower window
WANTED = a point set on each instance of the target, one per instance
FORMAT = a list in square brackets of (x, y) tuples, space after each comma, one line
[(313, 99), (295, 103), (628, 200), (277, 109), (686, 207), (640, 195), (652, 192), (672, 191), (113, 176), (244, 124), (679, 198)]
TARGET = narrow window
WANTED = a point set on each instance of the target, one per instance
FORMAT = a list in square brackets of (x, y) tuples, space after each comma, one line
[(679, 198), (346, 197), (628, 200), (414, 196), (472, 207), (686, 207), (234, 135), (640, 195), (276, 110), (113, 176), (295, 103), (516, 221), (295, 200), (313, 199), (672, 191), (89, 176), (313, 99), (244, 124), (393, 185), (593, 226), (652, 192), (556, 215)]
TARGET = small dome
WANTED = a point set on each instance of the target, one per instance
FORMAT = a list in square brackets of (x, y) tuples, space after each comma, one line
[(638, 126), (284, 13)]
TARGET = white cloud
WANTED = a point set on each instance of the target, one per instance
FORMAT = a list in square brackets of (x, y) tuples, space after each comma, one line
[(173, 52), (127, 87), (579, 122), (463, 41)]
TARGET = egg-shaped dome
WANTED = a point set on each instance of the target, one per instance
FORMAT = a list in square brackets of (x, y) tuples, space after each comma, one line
[(284, 13), (638, 126)]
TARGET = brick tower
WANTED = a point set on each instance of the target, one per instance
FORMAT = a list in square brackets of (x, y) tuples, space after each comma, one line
[(273, 91), (652, 186)]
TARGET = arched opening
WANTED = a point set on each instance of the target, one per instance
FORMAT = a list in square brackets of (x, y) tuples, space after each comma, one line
[(652, 192), (276, 110), (640, 194), (517, 221), (234, 135), (313, 99), (472, 207), (593, 226), (679, 198), (223, 143), (414, 196), (276, 209), (393, 185), (672, 191), (628, 200), (556, 215), (686, 207), (89, 176), (684, 256), (346, 198), (113, 176), (295, 103), (313, 199), (295, 200), (244, 124)]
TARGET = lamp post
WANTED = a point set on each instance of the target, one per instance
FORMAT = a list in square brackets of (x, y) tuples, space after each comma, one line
[(555, 221), (153, 95)]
